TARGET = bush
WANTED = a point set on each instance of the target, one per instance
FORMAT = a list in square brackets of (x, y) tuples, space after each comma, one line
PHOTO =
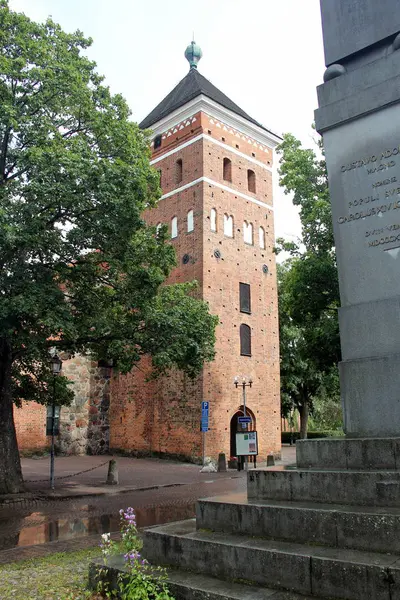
[(312, 435)]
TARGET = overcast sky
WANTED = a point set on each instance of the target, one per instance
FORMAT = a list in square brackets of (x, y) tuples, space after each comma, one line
[(266, 55)]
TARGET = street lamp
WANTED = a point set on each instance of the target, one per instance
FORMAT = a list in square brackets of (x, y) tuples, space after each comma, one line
[(244, 383), (56, 364)]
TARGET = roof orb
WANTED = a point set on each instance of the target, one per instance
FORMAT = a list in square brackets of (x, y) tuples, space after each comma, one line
[(193, 54)]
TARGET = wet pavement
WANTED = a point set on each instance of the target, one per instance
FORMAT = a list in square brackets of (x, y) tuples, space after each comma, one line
[(160, 491)]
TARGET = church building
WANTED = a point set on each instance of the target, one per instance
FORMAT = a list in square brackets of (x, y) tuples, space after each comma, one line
[(215, 166)]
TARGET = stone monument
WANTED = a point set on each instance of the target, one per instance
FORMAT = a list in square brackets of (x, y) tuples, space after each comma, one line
[(329, 528), (359, 118)]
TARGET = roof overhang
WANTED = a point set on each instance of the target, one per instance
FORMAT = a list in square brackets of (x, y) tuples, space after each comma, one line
[(204, 104)]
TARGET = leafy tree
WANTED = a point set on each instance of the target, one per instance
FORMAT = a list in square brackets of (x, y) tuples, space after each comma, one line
[(303, 380), (79, 268), (308, 285)]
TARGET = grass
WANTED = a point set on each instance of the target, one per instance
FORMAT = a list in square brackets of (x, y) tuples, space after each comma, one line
[(61, 576)]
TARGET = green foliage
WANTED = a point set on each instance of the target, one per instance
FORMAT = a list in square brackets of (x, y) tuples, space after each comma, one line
[(79, 268), (140, 580), (308, 287)]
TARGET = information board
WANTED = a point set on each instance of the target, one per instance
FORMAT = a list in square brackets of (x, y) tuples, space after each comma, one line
[(246, 443)]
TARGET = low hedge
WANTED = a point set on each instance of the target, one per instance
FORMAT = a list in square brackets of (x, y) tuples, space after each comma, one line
[(286, 436)]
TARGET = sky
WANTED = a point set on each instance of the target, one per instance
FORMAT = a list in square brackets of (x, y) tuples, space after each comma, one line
[(266, 55)]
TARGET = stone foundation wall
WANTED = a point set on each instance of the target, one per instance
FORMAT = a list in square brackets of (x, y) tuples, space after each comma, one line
[(84, 426)]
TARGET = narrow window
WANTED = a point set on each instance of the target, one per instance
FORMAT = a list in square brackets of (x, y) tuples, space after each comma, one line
[(251, 181), (174, 227), (228, 225), (227, 169), (190, 222), (244, 297), (247, 233), (157, 141), (245, 340), (178, 170), (261, 237), (160, 176), (213, 219)]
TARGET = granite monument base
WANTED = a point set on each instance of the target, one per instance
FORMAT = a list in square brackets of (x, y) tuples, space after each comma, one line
[(327, 528)]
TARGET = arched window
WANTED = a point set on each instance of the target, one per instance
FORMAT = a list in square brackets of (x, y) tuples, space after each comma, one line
[(247, 233), (158, 227), (190, 222), (251, 181), (261, 238), (228, 225), (227, 169), (213, 219), (174, 227), (157, 141), (178, 170), (245, 340)]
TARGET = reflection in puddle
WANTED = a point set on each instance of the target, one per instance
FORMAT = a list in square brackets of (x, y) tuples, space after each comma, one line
[(70, 528)]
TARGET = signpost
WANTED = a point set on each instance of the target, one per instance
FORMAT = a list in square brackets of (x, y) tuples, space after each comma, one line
[(205, 409)]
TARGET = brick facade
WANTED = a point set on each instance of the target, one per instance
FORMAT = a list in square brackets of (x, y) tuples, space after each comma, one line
[(164, 416), (131, 414)]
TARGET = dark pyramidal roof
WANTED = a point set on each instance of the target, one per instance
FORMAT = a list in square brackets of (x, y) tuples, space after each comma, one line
[(191, 86)]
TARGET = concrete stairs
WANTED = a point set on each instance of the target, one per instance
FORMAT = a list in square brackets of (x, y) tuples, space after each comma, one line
[(309, 532)]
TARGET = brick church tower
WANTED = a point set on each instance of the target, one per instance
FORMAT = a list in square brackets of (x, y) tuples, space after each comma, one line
[(215, 165)]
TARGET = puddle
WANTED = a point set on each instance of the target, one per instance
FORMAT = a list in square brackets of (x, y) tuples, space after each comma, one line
[(20, 533)]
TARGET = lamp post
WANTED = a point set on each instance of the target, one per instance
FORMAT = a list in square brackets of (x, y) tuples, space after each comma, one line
[(56, 364), (244, 383)]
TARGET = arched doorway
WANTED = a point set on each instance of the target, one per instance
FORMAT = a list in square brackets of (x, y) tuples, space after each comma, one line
[(237, 427)]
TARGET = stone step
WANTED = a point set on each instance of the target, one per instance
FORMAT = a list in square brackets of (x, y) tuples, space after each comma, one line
[(192, 586), (349, 453), (308, 570), (184, 585), (373, 529), (363, 488)]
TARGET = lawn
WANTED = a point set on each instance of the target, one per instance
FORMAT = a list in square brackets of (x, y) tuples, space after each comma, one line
[(61, 576)]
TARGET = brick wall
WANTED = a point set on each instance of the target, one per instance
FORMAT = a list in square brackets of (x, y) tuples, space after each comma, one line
[(30, 425), (164, 416)]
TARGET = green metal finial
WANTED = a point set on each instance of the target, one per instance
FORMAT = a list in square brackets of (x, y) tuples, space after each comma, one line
[(193, 54)]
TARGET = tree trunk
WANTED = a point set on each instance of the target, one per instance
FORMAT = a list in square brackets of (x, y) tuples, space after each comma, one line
[(304, 412), (11, 481)]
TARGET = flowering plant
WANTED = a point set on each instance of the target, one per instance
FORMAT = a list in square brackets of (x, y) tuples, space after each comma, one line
[(107, 546), (140, 581)]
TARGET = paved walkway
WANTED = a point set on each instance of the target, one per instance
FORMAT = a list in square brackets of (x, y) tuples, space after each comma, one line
[(86, 475), (38, 523)]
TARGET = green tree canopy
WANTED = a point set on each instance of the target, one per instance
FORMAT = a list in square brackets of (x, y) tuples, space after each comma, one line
[(308, 285), (80, 269)]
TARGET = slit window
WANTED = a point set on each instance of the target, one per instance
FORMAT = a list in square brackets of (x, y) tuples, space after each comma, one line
[(251, 181), (174, 227), (261, 237), (245, 340), (227, 169), (190, 221), (213, 219), (178, 170), (244, 298)]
